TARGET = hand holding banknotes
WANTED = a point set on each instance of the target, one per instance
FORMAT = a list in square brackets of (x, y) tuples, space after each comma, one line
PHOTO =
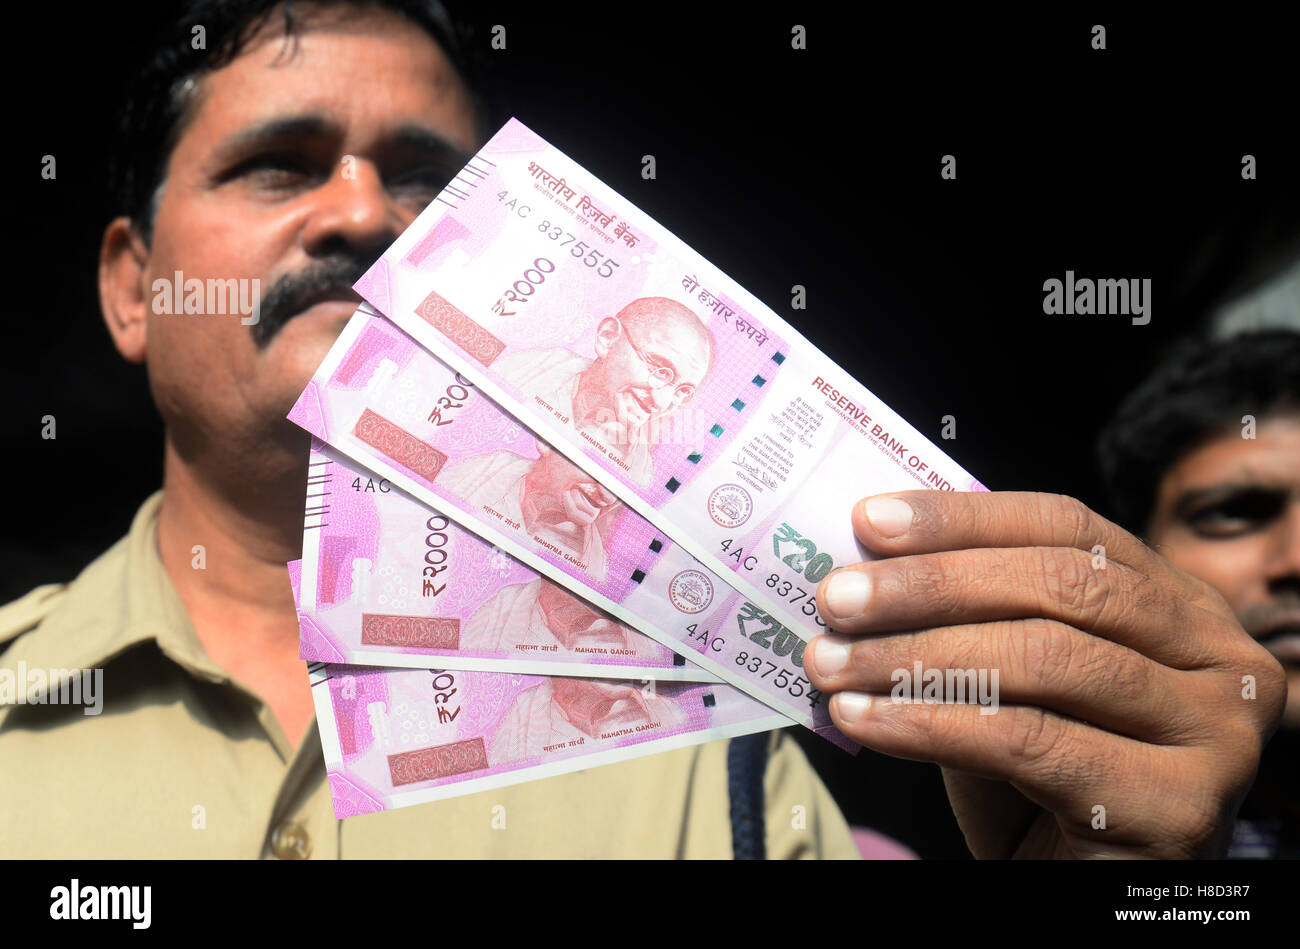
[(1123, 680)]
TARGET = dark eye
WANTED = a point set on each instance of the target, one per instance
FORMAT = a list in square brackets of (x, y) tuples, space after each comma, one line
[(426, 179), (274, 170), (1236, 515)]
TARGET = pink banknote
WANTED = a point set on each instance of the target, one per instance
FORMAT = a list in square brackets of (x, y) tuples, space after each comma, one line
[(681, 393), (387, 581), (395, 409), (397, 737), (295, 578)]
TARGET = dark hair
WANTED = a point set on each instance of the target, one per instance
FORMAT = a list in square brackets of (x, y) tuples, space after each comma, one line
[(1202, 387), (155, 111)]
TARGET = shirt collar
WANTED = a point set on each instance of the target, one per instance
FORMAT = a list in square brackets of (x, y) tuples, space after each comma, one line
[(121, 600)]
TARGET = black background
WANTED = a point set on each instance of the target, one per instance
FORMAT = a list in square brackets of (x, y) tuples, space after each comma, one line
[(817, 167), (743, 903)]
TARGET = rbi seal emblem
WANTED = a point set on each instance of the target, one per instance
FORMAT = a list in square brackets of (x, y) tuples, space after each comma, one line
[(691, 591), (730, 505)]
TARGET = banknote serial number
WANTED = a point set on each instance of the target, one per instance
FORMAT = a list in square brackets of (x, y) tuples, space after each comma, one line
[(435, 554), (779, 641), (782, 678), (600, 262), (444, 687), (803, 561)]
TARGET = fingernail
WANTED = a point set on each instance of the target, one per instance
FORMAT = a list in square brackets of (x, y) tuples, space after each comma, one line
[(890, 517), (846, 593), (830, 654), (851, 706)]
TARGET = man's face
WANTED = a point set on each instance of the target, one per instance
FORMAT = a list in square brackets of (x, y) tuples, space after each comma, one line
[(300, 164), (595, 706), (1228, 512), (571, 619), (647, 367), (560, 494)]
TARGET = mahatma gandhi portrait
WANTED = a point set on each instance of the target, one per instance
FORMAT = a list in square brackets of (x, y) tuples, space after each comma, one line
[(560, 710), (650, 358), (551, 497), (539, 611)]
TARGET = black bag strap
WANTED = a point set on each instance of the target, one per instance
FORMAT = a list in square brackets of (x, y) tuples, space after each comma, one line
[(746, 764)]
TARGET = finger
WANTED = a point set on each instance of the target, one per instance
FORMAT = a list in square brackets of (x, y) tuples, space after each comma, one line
[(1022, 662), (913, 522), (994, 817), (1060, 583), (1064, 766)]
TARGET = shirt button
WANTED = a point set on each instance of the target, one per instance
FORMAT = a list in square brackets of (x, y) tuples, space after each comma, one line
[(290, 841)]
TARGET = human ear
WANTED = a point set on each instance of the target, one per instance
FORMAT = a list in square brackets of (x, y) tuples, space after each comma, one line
[(607, 334), (123, 262)]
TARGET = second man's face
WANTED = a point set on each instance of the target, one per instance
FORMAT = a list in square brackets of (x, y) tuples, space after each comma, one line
[(1228, 512)]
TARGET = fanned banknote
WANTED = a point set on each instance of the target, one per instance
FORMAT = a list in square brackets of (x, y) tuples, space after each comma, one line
[(391, 406), (681, 394), (397, 737), (388, 582)]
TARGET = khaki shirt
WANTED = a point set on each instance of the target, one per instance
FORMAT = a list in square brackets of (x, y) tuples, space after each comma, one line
[(184, 761)]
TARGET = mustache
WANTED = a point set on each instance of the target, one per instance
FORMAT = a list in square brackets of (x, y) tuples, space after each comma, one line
[(644, 397), (1259, 618), (292, 293), (587, 488)]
